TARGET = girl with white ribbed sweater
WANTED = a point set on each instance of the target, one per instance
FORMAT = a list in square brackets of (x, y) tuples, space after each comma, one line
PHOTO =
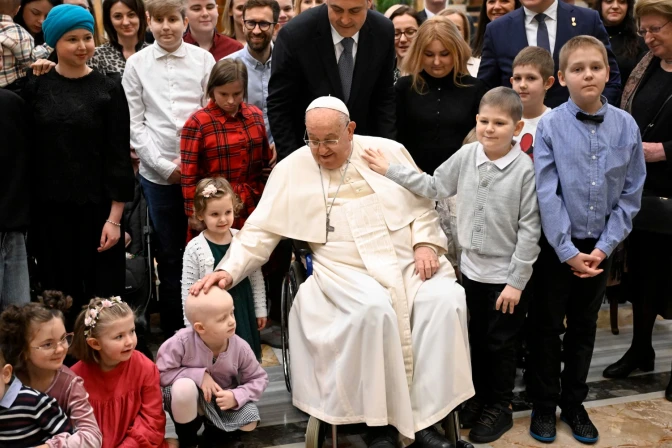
[(216, 205)]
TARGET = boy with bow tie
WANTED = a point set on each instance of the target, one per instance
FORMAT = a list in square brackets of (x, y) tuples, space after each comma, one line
[(590, 172)]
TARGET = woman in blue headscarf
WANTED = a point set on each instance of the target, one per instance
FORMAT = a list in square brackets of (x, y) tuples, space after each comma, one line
[(83, 173)]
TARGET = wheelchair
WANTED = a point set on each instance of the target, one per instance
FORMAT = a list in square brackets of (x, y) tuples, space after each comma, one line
[(316, 431)]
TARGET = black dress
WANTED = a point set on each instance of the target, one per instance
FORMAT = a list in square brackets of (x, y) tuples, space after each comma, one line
[(650, 254), (81, 164), (626, 62), (433, 125)]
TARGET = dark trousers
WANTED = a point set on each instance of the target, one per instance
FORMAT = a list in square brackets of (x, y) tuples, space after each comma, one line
[(493, 337), (558, 293), (166, 210), (67, 254)]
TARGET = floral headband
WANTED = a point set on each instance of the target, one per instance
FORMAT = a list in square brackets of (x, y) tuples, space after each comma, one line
[(92, 314), (209, 191)]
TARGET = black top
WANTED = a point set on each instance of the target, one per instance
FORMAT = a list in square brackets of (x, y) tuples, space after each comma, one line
[(305, 67), (14, 158), (654, 89), (81, 139), (433, 125), (626, 63)]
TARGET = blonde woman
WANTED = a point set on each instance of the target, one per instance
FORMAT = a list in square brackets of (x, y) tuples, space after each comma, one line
[(438, 102), (459, 18), (304, 5), (232, 20)]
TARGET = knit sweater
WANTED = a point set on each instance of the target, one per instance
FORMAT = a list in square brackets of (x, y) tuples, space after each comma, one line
[(498, 214), (198, 261)]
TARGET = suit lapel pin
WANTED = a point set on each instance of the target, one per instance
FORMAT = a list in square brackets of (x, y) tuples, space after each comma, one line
[(573, 21)]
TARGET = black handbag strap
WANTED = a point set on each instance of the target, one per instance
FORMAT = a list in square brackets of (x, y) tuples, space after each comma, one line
[(655, 117)]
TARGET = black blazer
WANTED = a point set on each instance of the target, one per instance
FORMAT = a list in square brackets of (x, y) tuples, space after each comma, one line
[(304, 67), (505, 37), (16, 181)]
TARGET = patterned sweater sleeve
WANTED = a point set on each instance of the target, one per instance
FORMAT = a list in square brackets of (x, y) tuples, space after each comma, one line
[(190, 273), (259, 293)]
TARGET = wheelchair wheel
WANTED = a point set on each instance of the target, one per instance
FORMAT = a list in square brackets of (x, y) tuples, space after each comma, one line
[(315, 433), (285, 306), (290, 287)]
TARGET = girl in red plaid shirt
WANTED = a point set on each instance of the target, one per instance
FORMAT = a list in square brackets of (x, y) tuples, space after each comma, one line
[(227, 138)]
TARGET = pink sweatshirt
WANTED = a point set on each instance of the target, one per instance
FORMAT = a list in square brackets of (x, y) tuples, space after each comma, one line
[(68, 390), (185, 355)]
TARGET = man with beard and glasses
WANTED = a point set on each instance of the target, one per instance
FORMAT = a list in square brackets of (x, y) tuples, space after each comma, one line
[(260, 21)]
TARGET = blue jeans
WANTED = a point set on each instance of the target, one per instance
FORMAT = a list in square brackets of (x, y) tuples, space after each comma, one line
[(166, 210), (14, 281)]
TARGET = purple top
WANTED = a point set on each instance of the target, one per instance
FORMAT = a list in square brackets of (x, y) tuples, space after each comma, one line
[(185, 355)]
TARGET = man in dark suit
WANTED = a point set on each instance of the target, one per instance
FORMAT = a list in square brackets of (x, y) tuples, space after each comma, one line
[(341, 49), (548, 24)]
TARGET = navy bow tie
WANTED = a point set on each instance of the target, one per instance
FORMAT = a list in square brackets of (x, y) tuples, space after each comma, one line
[(585, 117)]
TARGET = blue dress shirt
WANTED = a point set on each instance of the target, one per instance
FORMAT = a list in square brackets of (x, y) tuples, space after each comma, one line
[(589, 177), (258, 75)]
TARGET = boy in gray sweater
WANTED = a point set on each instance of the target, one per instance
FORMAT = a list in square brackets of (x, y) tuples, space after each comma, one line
[(498, 227)]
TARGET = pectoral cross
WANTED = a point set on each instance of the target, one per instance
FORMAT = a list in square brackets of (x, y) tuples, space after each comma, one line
[(330, 228)]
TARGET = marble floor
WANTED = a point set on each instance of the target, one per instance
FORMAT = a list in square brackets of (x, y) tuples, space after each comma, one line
[(629, 413)]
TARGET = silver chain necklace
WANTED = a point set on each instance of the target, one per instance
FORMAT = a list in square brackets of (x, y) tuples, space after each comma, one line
[(328, 209)]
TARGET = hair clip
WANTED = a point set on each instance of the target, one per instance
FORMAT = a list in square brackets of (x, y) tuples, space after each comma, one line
[(209, 191)]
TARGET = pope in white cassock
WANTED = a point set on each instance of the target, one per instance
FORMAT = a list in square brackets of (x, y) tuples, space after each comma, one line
[(378, 333)]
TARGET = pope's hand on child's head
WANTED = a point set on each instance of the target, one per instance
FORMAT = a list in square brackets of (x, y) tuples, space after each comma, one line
[(376, 160), (226, 400), (209, 387)]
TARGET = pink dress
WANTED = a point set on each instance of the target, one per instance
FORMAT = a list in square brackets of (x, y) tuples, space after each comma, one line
[(68, 390)]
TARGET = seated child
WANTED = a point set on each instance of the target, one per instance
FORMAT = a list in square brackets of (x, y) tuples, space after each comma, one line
[(532, 77), (28, 418), (123, 384), (590, 173), (208, 372), (35, 335), (498, 227), (18, 47), (216, 205)]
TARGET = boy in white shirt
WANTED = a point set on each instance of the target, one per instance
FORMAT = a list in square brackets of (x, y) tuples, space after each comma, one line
[(532, 77), (165, 84)]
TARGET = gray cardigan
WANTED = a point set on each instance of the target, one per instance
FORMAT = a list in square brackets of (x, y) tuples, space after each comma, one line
[(498, 214)]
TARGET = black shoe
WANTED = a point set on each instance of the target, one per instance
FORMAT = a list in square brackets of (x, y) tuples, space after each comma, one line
[(626, 365), (383, 437), (494, 422), (430, 438), (470, 413), (583, 429), (542, 426), (668, 390)]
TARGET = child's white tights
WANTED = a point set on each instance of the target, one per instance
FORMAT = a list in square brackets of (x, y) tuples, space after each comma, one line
[(184, 400), (184, 403)]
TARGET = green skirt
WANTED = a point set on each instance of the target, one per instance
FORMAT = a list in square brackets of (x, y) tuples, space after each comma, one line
[(246, 319)]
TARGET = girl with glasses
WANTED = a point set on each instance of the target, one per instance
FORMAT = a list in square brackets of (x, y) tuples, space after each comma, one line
[(406, 24), (35, 335)]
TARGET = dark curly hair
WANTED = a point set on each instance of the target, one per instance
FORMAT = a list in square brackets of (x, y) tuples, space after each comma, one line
[(16, 324), (483, 21), (628, 28)]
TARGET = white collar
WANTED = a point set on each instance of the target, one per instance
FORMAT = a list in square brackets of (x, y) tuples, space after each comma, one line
[(500, 163), (159, 51), (338, 38), (551, 12), (429, 13)]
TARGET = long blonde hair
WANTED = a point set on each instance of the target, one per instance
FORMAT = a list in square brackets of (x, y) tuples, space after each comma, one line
[(441, 29), (227, 20)]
